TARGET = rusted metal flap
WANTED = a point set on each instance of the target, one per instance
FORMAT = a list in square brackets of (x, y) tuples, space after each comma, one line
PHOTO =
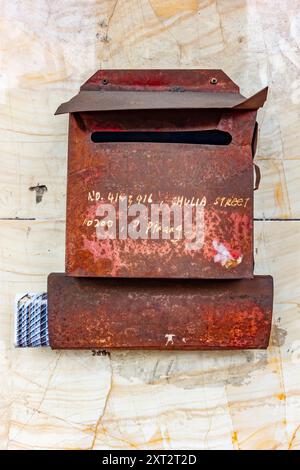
[(134, 100), (254, 102), (159, 314)]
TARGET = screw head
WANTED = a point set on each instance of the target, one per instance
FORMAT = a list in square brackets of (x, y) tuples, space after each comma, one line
[(104, 81), (213, 80)]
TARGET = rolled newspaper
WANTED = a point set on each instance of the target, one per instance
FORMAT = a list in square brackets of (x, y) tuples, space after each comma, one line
[(31, 320)]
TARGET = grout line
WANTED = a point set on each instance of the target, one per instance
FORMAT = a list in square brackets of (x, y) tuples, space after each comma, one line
[(18, 218), (256, 219), (275, 220), (37, 219)]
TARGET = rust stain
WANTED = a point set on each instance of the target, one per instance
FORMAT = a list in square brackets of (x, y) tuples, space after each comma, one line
[(278, 195), (169, 8), (281, 396), (234, 439), (293, 438)]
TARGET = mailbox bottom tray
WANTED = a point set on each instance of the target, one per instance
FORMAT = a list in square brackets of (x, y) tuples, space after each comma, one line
[(97, 313)]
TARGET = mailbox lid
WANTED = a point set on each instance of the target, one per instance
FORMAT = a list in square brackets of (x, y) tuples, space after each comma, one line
[(160, 89), (159, 314)]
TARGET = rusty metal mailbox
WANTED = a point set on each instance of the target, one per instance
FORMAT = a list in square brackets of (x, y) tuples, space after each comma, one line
[(160, 186), (163, 138)]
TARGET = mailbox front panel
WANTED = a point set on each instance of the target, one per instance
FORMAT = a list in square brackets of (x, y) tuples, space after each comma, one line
[(153, 157)]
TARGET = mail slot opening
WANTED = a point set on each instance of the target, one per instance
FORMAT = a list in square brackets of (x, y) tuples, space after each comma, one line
[(207, 137)]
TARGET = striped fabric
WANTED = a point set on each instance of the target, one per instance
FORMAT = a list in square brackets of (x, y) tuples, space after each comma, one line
[(31, 324)]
